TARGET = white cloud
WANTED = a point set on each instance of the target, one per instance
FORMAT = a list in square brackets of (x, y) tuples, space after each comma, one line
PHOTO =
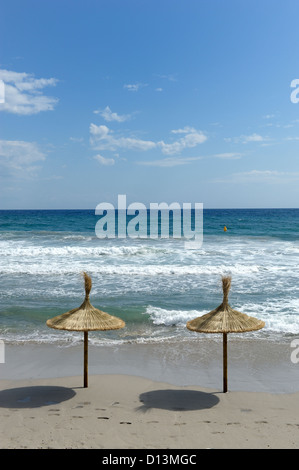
[(77, 139), (192, 138), (98, 132), (135, 144), (184, 130), (169, 77), (2, 92), (109, 116), (261, 176), (170, 161), (174, 161), (253, 138), (23, 93), (19, 157), (269, 116), (135, 86), (229, 155), (245, 139), (104, 161), (102, 138), (262, 173)]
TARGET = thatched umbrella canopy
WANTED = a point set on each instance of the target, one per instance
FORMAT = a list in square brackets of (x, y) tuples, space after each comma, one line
[(225, 320), (86, 318)]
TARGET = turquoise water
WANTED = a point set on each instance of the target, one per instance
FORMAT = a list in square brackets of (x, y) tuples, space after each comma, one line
[(155, 285)]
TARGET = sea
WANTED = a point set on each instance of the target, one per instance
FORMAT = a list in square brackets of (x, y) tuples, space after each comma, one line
[(154, 284)]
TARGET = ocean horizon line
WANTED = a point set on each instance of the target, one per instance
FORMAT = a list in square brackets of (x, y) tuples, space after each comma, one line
[(204, 208)]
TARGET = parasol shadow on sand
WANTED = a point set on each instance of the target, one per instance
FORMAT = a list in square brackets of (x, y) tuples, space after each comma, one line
[(86, 318), (176, 400), (34, 396), (225, 320)]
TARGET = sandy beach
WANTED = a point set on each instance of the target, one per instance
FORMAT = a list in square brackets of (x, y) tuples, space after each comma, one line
[(149, 397), (127, 412)]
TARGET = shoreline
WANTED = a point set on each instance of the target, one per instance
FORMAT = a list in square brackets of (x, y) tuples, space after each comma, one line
[(253, 365)]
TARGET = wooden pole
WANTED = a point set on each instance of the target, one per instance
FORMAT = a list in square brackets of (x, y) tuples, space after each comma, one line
[(224, 362), (85, 359)]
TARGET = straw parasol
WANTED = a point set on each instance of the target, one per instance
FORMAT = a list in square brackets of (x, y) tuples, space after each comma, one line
[(225, 320), (86, 318)]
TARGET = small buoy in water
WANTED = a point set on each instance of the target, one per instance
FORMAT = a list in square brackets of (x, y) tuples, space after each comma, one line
[(225, 229)]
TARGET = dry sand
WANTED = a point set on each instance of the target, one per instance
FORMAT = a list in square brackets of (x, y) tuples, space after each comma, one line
[(126, 410)]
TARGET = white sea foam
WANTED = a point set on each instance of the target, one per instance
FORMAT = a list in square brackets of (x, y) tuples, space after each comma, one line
[(62, 267), (280, 315), (162, 316), (21, 249), (39, 272), (163, 324)]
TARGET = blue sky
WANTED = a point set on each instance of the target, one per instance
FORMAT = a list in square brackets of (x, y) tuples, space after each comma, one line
[(160, 100)]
